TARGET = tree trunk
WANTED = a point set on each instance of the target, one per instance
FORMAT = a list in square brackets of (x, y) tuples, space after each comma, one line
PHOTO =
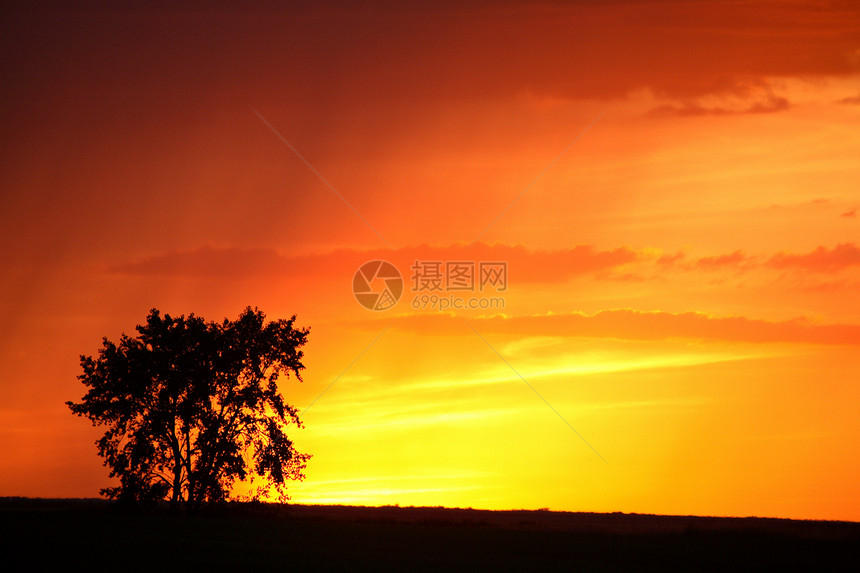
[(191, 485), (176, 496)]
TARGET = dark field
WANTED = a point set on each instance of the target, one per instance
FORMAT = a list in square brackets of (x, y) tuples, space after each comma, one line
[(37, 534)]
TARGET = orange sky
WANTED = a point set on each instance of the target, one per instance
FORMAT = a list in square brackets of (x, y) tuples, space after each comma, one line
[(681, 324)]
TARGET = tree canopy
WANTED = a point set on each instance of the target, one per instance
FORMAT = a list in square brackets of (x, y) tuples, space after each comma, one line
[(191, 407)]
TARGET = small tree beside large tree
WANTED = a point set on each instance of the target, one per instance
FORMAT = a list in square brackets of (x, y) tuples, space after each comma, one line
[(191, 407)]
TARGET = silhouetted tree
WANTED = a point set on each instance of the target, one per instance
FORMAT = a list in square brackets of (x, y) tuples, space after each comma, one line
[(192, 406)]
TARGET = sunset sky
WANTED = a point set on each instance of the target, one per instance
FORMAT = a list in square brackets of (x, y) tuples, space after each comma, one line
[(674, 188)]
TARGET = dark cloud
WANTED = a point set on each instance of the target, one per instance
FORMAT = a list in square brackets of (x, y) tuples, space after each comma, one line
[(526, 265), (733, 260), (821, 259), (736, 260), (529, 266)]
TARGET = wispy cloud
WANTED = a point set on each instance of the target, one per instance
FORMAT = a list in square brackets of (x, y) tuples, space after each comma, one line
[(855, 100), (771, 104), (205, 262), (629, 324)]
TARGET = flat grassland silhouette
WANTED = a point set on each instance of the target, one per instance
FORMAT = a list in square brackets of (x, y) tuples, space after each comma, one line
[(95, 534)]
